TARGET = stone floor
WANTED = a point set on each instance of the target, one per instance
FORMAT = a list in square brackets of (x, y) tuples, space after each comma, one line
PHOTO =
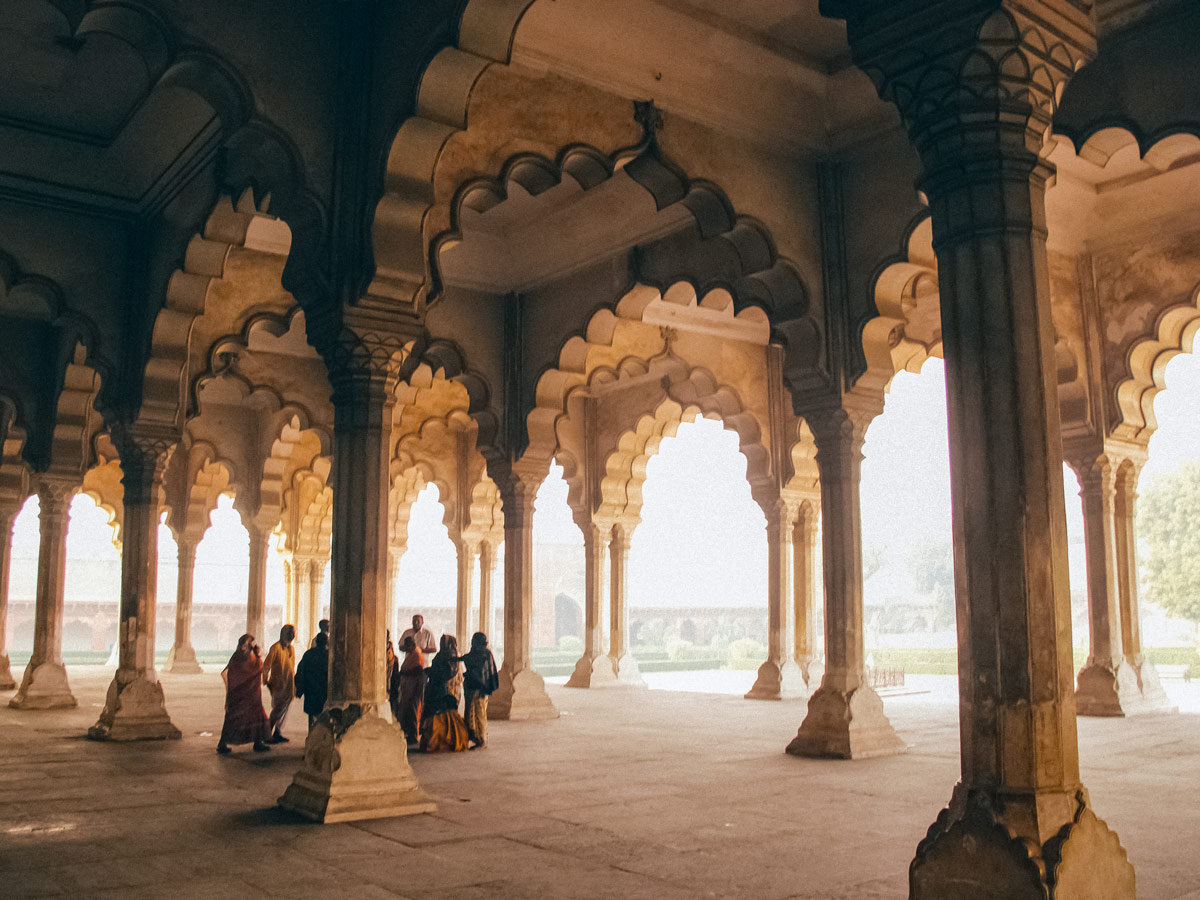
[(629, 795)]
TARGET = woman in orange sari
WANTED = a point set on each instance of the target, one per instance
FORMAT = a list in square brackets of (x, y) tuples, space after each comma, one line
[(443, 729), (245, 718), (411, 693)]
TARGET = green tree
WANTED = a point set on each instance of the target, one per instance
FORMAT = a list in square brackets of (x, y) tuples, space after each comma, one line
[(1169, 528)]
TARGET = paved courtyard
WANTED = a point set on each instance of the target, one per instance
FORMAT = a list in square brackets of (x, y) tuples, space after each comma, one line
[(646, 794)]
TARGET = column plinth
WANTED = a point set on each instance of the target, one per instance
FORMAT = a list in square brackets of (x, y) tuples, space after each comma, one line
[(845, 718), (182, 658), (8, 516), (355, 757), (44, 684), (522, 692), (135, 708)]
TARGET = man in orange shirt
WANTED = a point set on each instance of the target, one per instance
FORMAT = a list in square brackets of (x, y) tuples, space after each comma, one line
[(279, 675)]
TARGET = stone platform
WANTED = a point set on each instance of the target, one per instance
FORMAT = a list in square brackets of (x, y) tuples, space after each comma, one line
[(629, 795)]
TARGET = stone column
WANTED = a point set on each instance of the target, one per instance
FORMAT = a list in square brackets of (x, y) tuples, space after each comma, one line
[(1153, 697), (135, 709), (624, 665), (356, 758), (291, 609), (44, 685), (1107, 684), (487, 569), (779, 677), (182, 658), (256, 587), (522, 693), (316, 579), (8, 516), (394, 556), (976, 85), (845, 716), (467, 553), (595, 667), (804, 548)]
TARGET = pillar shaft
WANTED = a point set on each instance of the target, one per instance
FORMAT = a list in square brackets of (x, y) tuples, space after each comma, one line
[(315, 579), (8, 517), (522, 692), (256, 587), (394, 556), (135, 708), (182, 658), (487, 569), (594, 666), (1125, 538), (779, 676), (355, 758), (845, 716), (44, 685), (623, 664), (467, 554), (804, 548)]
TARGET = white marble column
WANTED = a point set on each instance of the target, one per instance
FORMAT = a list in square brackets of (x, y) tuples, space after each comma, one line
[(135, 708), (315, 581), (467, 552), (8, 517), (779, 677), (624, 665), (1107, 684), (356, 758), (182, 658), (804, 549), (256, 587), (487, 571), (44, 685), (522, 693), (594, 668)]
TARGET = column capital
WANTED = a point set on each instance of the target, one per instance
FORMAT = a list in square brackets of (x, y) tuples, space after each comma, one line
[(185, 550), (369, 353), (54, 495), (519, 487), (970, 80), (144, 450), (842, 428)]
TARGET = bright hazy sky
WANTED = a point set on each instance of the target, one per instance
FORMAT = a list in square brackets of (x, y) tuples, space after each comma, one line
[(702, 539)]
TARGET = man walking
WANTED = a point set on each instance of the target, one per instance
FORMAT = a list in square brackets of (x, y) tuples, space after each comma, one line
[(279, 675)]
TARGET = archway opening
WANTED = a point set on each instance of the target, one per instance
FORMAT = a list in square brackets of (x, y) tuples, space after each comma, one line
[(558, 579), (426, 576), (698, 566), (222, 576)]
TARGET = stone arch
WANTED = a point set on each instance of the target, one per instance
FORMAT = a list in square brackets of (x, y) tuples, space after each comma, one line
[(102, 483), (1174, 333)]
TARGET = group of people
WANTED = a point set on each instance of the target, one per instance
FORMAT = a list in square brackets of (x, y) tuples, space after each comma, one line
[(424, 700)]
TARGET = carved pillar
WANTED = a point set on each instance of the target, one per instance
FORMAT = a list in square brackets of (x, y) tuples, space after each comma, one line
[(845, 716), (804, 549), (44, 685), (182, 658), (976, 84), (779, 677), (1107, 684), (356, 758), (595, 667), (394, 555), (291, 609), (487, 569), (256, 587), (1154, 698), (467, 553), (315, 581), (522, 693), (8, 516), (135, 708), (623, 664)]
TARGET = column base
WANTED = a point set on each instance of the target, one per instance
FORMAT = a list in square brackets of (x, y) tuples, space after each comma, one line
[(846, 725), (44, 686), (1154, 698), (521, 697), (592, 671), (972, 851), (7, 682), (1107, 689), (628, 673), (353, 772), (134, 710), (779, 682), (182, 661)]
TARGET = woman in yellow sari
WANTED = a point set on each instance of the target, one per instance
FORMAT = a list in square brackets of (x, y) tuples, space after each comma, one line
[(443, 728)]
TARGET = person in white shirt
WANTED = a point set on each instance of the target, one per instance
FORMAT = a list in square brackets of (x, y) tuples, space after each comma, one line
[(421, 635)]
